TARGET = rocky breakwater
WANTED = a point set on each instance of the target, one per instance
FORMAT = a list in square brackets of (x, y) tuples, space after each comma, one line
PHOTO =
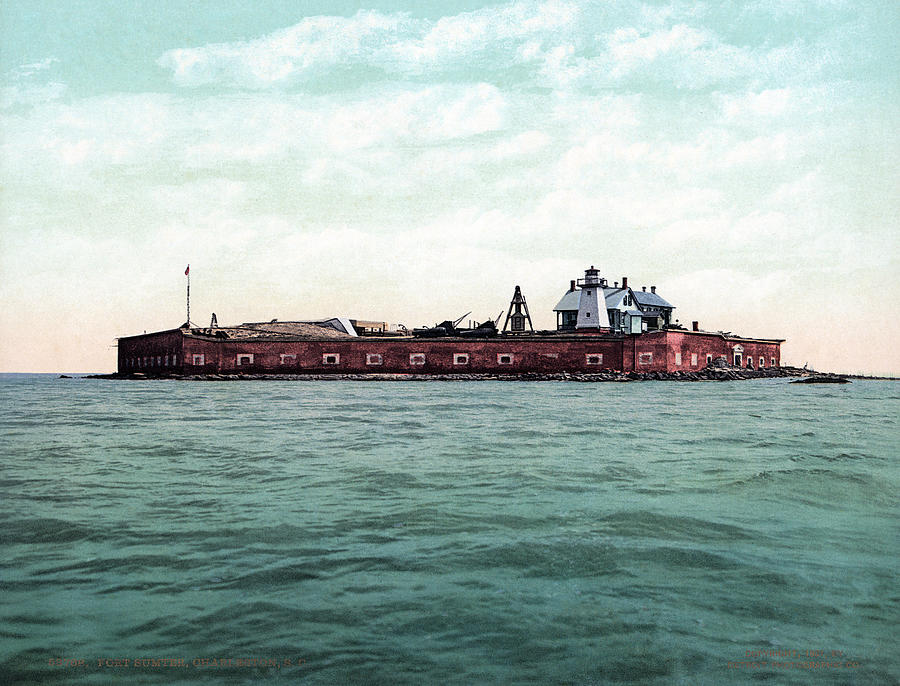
[(711, 373)]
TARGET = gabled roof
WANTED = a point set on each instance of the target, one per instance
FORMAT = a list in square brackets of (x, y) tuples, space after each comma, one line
[(645, 299), (568, 302), (612, 295)]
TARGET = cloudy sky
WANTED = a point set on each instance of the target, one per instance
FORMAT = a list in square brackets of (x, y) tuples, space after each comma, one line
[(412, 161)]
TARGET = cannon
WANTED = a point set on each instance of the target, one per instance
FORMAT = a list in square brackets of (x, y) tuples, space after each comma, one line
[(445, 328)]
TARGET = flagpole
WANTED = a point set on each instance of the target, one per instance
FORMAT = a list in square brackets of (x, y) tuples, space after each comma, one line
[(187, 273)]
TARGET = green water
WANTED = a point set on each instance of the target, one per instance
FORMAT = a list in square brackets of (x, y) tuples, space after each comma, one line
[(459, 533)]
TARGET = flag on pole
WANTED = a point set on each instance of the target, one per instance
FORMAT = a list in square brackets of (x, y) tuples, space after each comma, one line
[(187, 271)]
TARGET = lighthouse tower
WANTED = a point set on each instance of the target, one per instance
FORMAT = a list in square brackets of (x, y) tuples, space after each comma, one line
[(592, 303)]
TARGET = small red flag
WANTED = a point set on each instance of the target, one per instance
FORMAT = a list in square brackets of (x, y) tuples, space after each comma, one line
[(186, 271)]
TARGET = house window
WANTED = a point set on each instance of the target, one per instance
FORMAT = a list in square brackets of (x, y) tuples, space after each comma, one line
[(504, 358), (708, 358), (331, 358), (198, 359), (460, 358), (693, 359), (174, 360), (244, 359), (677, 359), (373, 358), (569, 319), (749, 362), (288, 358), (593, 358), (159, 360), (762, 362), (587, 314), (166, 360), (737, 359), (645, 358), (773, 362), (417, 358)]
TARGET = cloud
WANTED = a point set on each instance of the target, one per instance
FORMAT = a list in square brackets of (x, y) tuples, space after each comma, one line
[(554, 43), (29, 84), (496, 31), (288, 55), (395, 43)]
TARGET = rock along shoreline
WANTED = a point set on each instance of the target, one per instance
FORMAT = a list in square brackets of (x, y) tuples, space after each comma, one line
[(707, 374)]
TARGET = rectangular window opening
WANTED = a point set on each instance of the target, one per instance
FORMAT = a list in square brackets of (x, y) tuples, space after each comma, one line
[(645, 358), (288, 358), (198, 359), (373, 358), (331, 358), (693, 359), (593, 358), (460, 358), (504, 358), (417, 358), (244, 359), (677, 359)]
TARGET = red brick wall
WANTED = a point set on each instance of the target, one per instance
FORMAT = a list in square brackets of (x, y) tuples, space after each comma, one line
[(650, 352), (151, 353), (526, 355), (703, 344)]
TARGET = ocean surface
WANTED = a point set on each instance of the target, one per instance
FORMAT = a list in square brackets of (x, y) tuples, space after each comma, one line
[(324, 532)]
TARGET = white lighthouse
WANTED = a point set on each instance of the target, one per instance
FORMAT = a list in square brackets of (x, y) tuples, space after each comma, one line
[(592, 303)]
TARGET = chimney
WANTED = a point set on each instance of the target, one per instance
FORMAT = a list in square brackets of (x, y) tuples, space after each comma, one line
[(644, 288), (653, 289), (695, 326), (615, 284), (572, 285), (624, 282)]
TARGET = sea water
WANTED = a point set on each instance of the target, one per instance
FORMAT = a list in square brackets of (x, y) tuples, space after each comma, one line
[(338, 532)]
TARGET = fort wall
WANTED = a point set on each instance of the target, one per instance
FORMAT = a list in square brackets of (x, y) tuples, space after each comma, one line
[(181, 352)]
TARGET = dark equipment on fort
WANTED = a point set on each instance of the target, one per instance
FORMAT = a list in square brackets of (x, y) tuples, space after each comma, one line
[(445, 328)]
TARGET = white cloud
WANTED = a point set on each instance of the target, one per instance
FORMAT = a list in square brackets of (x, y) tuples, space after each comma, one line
[(752, 106), (396, 43), (287, 55), (459, 37), (29, 84), (556, 44)]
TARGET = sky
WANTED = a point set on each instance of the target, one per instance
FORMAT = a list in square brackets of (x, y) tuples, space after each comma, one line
[(412, 161)]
